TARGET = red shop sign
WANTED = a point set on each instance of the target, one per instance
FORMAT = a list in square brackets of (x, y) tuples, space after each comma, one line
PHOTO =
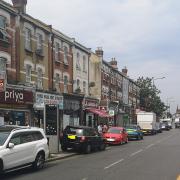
[(16, 96)]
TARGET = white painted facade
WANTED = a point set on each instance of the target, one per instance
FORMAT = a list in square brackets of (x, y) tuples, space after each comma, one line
[(80, 70)]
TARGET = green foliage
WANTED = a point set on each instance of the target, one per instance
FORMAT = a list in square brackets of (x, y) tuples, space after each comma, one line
[(149, 96)]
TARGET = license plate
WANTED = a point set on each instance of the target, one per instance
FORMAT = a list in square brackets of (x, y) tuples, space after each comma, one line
[(71, 136), (110, 139)]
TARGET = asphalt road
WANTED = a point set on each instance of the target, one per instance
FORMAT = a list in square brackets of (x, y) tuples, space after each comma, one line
[(154, 158)]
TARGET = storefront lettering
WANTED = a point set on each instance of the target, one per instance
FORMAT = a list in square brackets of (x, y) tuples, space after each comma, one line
[(17, 96)]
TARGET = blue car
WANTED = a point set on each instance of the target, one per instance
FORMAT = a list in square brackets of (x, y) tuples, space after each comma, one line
[(134, 132)]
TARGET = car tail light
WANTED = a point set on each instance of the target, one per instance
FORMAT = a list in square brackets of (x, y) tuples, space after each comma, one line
[(83, 138)]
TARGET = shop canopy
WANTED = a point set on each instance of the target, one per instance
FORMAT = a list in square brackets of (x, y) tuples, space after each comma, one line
[(100, 113)]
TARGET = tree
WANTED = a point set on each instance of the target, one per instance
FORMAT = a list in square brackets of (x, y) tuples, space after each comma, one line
[(149, 96)]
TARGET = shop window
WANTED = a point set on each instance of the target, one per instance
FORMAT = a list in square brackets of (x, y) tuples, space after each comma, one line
[(40, 78), (28, 73), (27, 39)]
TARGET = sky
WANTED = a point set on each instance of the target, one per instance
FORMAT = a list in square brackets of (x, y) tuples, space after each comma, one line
[(143, 35)]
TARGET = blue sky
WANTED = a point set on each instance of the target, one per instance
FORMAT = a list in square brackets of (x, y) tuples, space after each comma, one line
[(143, 35)]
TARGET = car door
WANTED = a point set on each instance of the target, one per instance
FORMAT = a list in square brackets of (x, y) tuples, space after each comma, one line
[(22, 151), (124, 135)]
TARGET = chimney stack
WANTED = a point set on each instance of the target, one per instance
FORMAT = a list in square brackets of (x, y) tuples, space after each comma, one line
[(99, 52), (125, 71), (113, 63), (20, 5)]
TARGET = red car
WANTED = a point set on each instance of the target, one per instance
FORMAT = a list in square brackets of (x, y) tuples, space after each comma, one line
[(116, 135)]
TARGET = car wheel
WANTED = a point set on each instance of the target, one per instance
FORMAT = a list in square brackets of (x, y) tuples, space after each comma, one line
[(39, 161), (102, 147), (138, 137), (87, 149), (1, 167), (64, 148)]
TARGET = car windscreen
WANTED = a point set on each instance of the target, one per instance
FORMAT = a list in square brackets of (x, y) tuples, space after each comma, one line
[(114, 131), (75, 131), (3, 137)]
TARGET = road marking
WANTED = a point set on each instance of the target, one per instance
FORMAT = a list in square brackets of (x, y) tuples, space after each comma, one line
[(133, 154), (107, 167), (149, 146), (84, 178)]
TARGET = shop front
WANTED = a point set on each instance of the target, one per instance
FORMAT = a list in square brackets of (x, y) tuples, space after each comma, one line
[(90, 118), (94, 114), (41, 100), (72, 110), (16, 105)]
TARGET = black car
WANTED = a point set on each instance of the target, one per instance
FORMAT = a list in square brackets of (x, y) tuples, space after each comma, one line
[(82, 138)]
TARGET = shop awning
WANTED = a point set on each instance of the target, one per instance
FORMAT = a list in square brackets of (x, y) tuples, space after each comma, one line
[(99, 112)]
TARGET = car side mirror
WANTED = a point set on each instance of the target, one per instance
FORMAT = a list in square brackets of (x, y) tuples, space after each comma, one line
[(10, 145)]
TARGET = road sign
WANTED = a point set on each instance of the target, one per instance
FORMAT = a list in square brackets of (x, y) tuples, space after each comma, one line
[(111, 112)]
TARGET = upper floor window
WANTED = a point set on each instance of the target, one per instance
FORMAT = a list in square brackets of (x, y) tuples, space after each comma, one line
[(65, 84), (39, 42), (84, 87), (78, 83), (65, 55), (84, 63), (2, 68), (28, 73), (57, 55), (27, 39), (40, 78), (3, 34), (78, 61), (2, 22), (2, 64), (57, 78)]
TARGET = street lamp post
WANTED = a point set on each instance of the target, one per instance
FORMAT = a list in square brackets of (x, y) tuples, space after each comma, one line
[(153, 79)]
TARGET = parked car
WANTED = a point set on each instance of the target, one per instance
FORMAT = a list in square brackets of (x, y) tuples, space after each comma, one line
[(82, 138), (22, 146), (134, 131), (116, 135), (165, 126), (177, 122)]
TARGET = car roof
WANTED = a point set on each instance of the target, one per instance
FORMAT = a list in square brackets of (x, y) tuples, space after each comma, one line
[(9, 128), (80, 127), (117, 127)]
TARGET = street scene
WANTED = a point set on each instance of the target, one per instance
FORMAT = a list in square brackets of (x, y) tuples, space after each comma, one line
[(156, 157), (89, 90)]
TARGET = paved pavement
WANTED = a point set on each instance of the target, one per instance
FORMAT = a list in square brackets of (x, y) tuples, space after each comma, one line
[(60, 155)]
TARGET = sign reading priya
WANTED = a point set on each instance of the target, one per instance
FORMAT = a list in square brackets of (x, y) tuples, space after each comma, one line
[(16, 96)]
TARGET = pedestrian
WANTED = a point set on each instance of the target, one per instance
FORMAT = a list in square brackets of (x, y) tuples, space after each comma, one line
[(100, 128), (105, 128)]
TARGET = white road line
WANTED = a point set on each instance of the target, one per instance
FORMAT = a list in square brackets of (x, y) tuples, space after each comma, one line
[(84, 178), (133, 154), (107, 167), (149, 146)]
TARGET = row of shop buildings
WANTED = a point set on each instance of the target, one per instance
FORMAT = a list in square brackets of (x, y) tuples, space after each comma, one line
[(42, 70)]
